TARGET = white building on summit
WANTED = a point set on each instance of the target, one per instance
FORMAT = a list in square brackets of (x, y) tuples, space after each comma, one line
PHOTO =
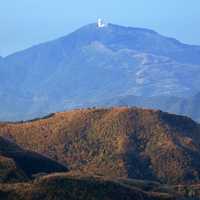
[(100, 23)]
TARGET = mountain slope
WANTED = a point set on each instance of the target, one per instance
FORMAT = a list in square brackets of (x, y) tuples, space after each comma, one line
[(118, 142), (29, 162), (15, 183), (81, 68), (10, 172), (192, 107), (62, 186)]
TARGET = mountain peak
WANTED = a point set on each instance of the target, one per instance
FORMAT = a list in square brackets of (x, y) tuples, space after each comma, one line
[(101, 25), (112, 35), (140, 58)]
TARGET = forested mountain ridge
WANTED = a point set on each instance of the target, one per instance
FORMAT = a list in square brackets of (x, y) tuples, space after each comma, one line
[(118, 142)]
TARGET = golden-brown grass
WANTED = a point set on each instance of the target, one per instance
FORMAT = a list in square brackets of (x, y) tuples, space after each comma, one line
[(116, 142)]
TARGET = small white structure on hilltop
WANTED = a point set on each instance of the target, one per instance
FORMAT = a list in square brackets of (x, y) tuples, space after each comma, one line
[(100, 23)]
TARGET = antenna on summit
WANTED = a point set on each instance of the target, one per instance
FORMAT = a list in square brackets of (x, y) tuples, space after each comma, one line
[(100, 23)]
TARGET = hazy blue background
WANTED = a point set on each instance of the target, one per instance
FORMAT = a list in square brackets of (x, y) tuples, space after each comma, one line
[(24, 23)]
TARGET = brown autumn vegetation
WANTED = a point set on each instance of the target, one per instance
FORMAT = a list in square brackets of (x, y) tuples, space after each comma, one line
[(10, 172), (16, 183), (116, 142), (17, 164), (62, 186)]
